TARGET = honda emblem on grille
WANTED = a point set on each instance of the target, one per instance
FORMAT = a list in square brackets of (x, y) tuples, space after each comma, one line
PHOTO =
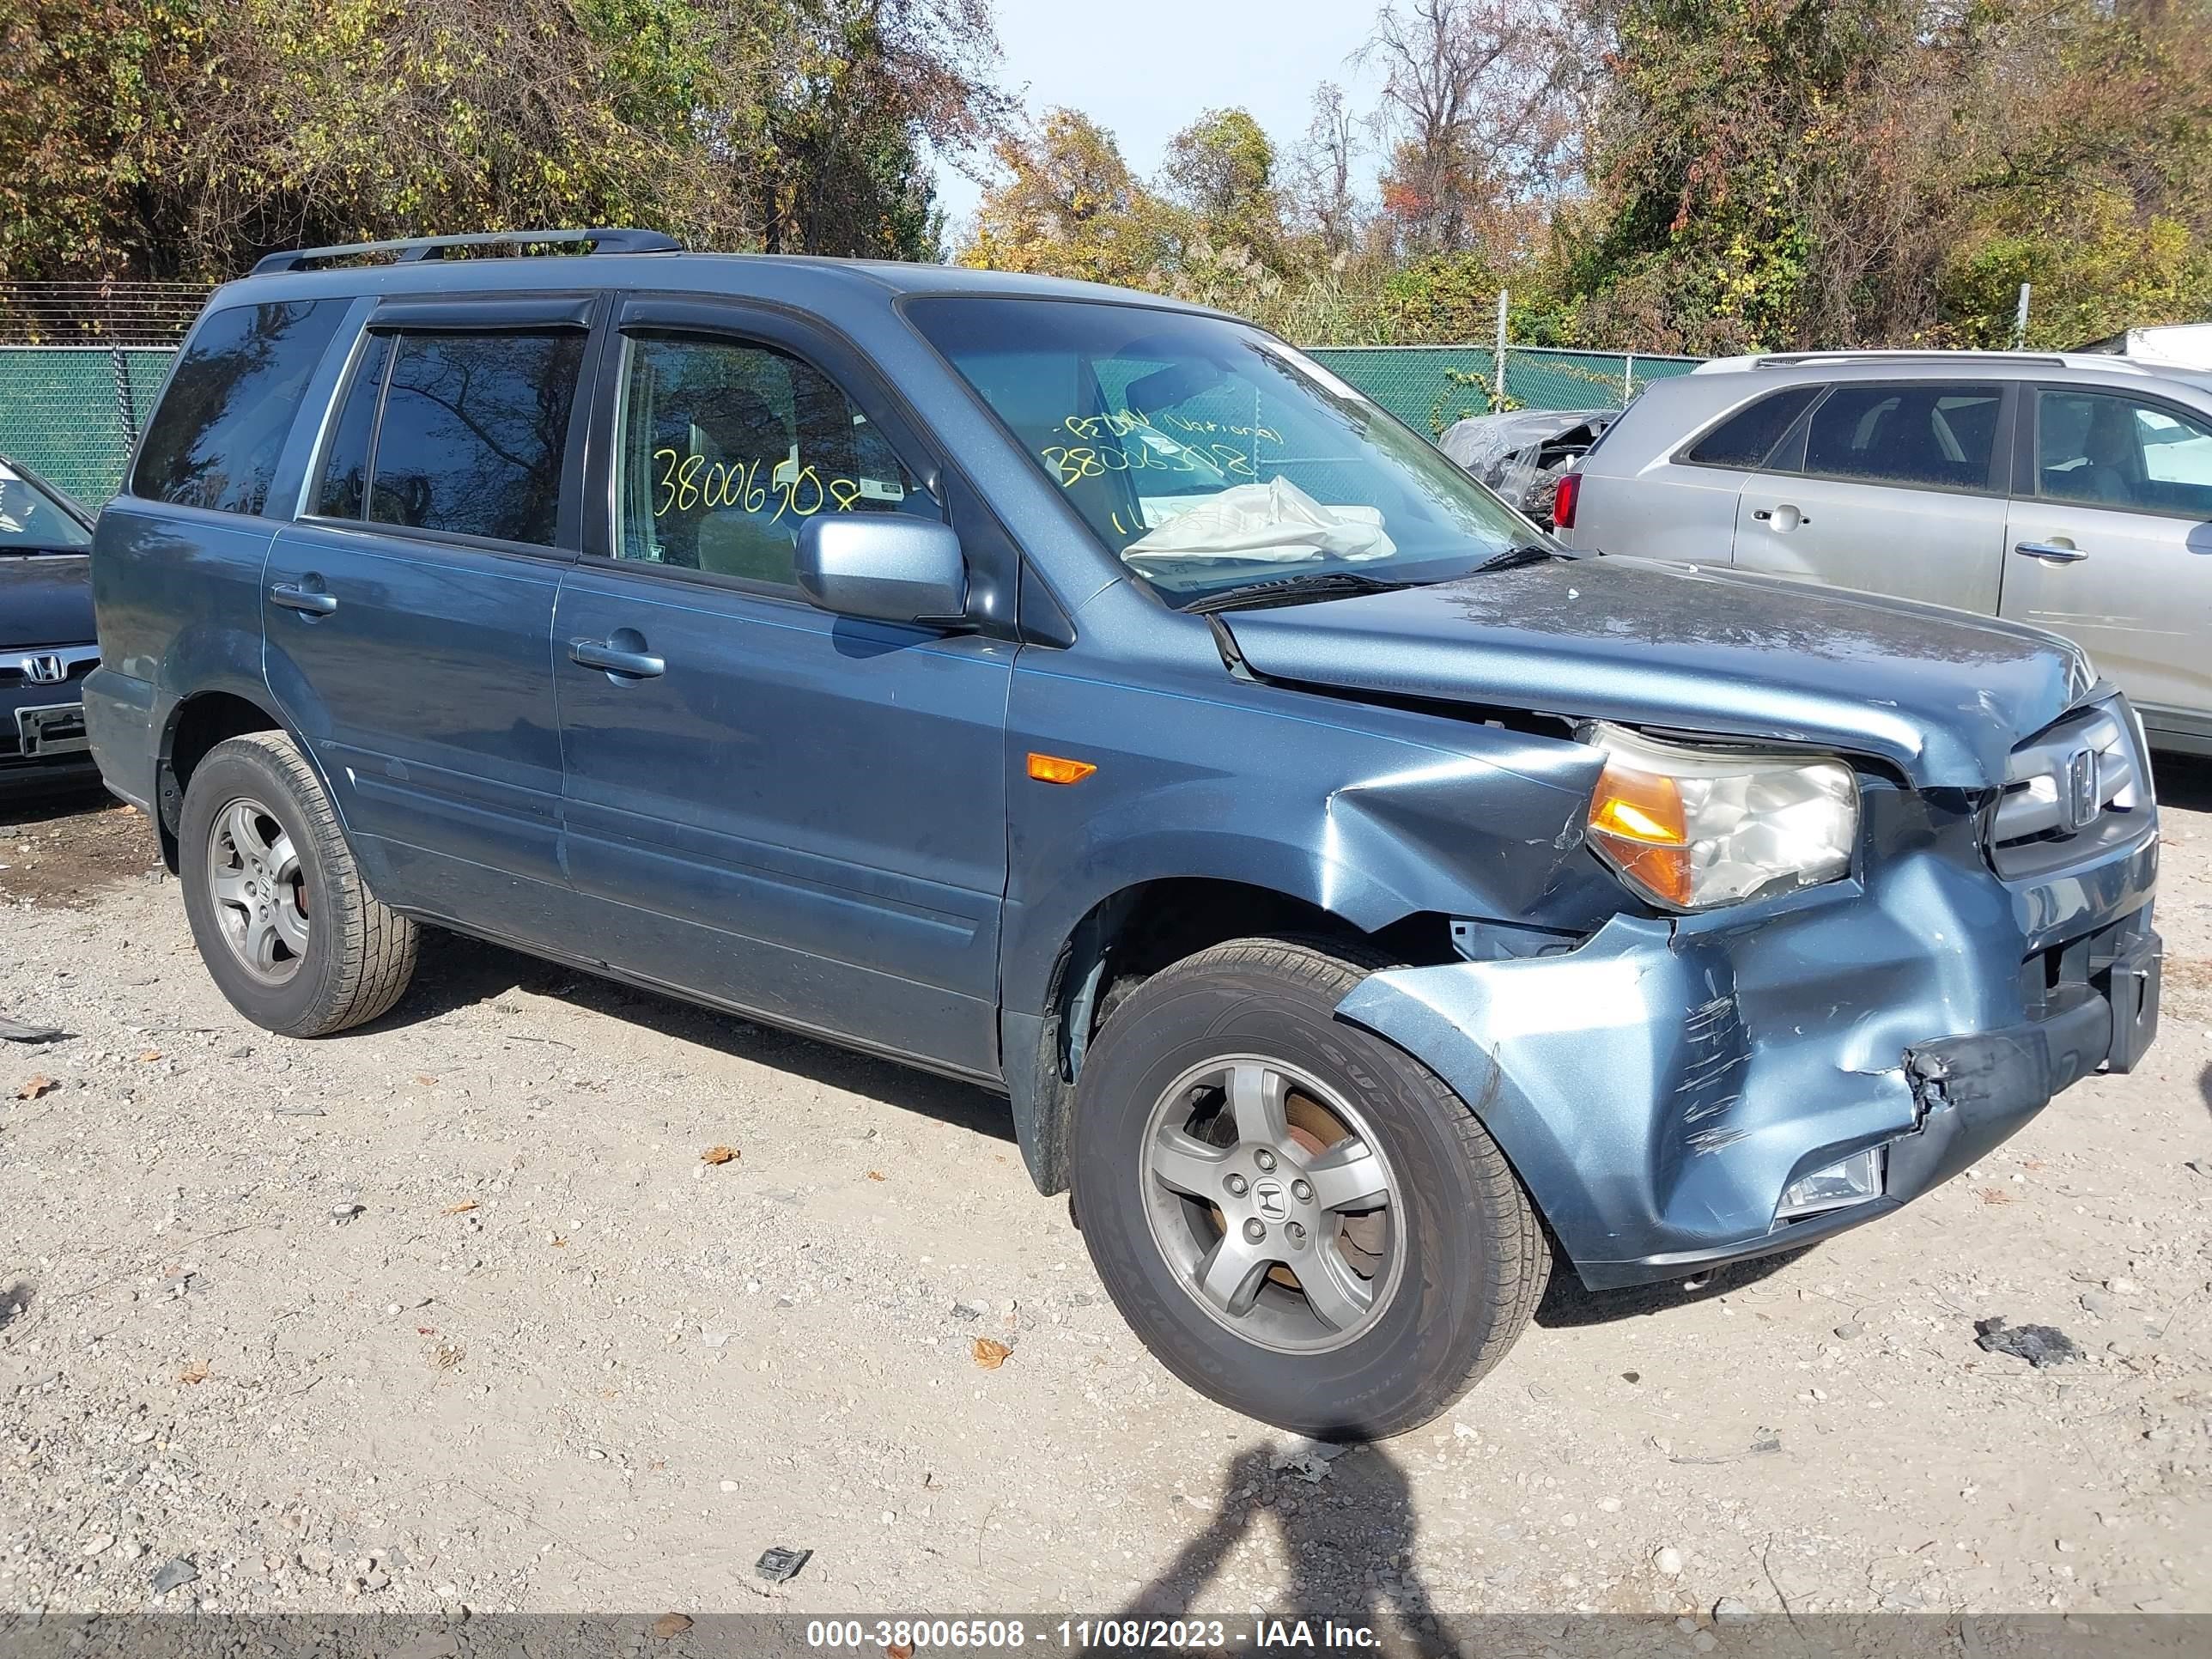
[(46, 669), (2081, 789)]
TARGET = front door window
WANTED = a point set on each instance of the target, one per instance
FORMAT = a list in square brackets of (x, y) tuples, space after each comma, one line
[(2104, 449), (728, 447)]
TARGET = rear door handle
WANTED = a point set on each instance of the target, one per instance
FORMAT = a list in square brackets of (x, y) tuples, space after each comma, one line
[(640, 665), (2052, 553), (1789, 517), (293, 596)]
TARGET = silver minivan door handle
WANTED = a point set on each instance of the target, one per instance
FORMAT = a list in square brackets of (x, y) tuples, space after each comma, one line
[(1784, 518), (2052, 552), (293, 596)]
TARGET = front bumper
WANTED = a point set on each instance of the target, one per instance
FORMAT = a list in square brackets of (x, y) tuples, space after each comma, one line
[(1659, 1087)]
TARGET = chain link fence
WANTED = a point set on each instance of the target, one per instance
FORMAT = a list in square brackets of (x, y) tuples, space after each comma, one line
[(1429, 387), (74, 412), (80, 364)]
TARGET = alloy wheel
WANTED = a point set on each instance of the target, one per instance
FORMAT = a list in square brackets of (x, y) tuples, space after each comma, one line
[(260, 892), (1270, 1198)]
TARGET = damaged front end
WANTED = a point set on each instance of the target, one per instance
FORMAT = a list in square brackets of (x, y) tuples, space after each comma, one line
[(1691, 1085)]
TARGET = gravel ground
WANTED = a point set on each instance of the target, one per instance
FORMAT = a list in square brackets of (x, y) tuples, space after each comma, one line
[(452, 1311)]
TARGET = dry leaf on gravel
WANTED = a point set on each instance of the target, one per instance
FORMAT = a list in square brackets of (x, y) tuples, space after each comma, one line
[(462, 1208), (149, 1056), (35, 1087), (195, 1372), (899, 1650), (719, 1155), (876, 1174), (989, 1355), (427, 1082), (1995, 1196), (671, 1625)]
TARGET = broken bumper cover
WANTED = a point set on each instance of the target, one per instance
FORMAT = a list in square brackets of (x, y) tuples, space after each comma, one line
[(1659, 1088)]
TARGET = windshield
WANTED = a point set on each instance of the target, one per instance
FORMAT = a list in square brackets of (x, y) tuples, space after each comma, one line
[(1208, 456), (33, 521)]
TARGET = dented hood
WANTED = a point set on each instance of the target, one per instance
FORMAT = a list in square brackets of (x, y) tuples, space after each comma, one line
[(1941, 694)]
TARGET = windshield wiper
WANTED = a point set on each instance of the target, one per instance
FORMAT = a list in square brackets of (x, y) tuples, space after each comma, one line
[(1512, 557), (1288, 590)]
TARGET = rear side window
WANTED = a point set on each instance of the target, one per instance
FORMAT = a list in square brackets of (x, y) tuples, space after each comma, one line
[(454, 432), (1748, 437), (1934, 434), (230, 403)]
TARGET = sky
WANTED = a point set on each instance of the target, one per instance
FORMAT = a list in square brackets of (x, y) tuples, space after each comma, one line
[(1146, 68)]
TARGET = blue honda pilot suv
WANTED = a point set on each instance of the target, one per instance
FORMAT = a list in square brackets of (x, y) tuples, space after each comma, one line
[(1358, 896)]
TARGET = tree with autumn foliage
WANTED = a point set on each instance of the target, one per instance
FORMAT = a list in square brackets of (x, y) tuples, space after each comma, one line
[(183, 138), (1068, 204), (1693, 175)]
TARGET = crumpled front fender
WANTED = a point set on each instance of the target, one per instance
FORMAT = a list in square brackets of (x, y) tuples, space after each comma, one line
[(1657, 1087)]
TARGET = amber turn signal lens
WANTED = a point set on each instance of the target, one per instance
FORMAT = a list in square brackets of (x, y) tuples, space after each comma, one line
[(1058, 768), (1637, 820)]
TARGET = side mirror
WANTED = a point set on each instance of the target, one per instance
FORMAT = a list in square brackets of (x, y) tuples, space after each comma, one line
[(883, 565)]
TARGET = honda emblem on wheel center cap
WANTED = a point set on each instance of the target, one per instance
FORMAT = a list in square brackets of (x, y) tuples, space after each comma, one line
[(1267, 1196)]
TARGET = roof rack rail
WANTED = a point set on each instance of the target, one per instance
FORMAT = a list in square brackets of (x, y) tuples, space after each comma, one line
[(1926, 355), (408, 250)]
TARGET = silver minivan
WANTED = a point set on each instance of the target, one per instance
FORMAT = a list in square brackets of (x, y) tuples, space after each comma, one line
[(2073, 492)]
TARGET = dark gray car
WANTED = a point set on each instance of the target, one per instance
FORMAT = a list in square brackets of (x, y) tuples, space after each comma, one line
[(1088, 697), (47, 648)]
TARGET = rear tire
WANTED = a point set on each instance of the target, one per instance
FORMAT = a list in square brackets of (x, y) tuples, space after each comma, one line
[(288, 928), (1414, 1298)]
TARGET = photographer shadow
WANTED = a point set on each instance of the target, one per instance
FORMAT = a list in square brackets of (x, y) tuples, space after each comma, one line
[(1348, 1540)]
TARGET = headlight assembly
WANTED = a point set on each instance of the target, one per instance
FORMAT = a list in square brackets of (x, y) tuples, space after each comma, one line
[(1696, 828)]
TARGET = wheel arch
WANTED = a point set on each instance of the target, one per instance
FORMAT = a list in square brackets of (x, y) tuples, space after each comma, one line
[(1131, 933), (195, 724)]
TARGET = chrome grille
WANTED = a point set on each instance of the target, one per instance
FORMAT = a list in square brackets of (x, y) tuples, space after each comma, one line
[(34, 665), (2076, 785)]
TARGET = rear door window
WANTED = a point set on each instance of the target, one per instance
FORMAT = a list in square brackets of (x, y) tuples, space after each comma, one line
[(344, 485), (2104, 449), (1748, 437), (459, 433), (1936, 435), (475, 428), (215, 439)]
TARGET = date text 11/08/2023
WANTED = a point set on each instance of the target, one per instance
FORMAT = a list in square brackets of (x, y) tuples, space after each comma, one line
[(1260, 1634)]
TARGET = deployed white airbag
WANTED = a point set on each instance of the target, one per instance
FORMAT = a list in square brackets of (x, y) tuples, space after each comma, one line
[(1273, 523)]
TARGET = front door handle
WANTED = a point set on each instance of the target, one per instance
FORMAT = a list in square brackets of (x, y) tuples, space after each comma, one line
[(293, 596), (2052, 552), (1784, 518), (638, 665)]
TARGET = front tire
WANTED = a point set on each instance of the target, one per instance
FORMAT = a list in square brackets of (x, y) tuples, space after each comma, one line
[(288, 928), (1298, 1219)]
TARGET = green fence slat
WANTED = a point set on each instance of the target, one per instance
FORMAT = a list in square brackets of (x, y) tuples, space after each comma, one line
[(1429, 387)]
